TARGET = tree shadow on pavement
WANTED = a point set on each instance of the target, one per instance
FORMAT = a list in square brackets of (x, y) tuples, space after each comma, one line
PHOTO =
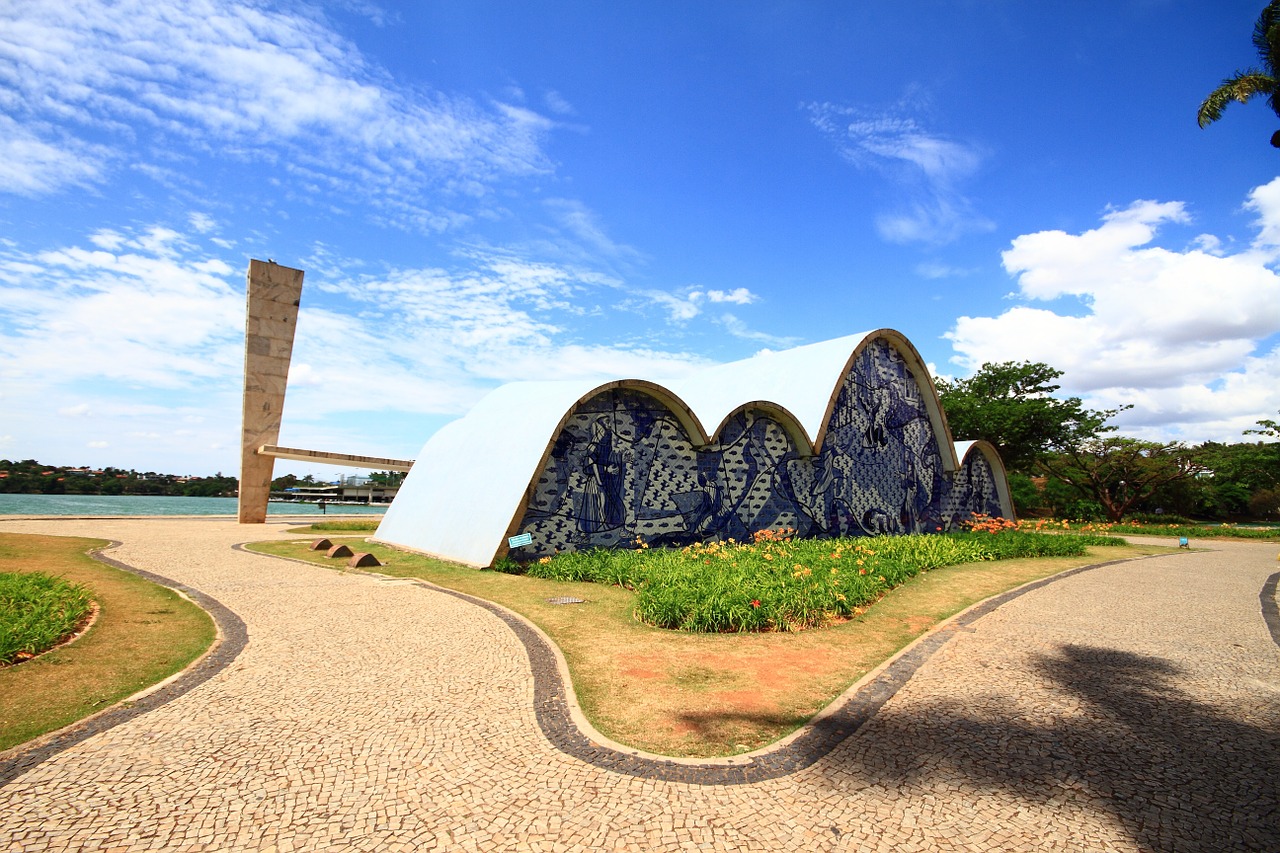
[(1121, 737)]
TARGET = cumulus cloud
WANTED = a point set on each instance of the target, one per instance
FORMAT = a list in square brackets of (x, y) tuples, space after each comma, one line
[(1187, 334), (737, 296), (142, 313), (240, 80), (688, 304), (927, 168)]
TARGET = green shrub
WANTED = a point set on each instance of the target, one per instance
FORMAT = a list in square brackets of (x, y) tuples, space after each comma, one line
[(1015, 544), (36, 612), (506, 565), (1157, 518), (777, 584), (1198, 531)]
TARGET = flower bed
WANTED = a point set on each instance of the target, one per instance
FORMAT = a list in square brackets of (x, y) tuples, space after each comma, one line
[(779, 583)]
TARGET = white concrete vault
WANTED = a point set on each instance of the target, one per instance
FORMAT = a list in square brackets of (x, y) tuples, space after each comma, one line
[(479, 479), (840, 437)]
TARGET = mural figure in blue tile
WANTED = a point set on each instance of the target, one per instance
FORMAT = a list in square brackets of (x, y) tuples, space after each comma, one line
[(623, 469)]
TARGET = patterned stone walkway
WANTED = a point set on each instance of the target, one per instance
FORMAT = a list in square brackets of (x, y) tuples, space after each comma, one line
[(1130, 707)]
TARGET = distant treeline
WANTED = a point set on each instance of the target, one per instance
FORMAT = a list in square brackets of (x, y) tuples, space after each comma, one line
[(29, 477)]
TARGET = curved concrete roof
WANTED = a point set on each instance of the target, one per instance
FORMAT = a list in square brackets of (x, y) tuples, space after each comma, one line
[(460, 504), (987, 449)]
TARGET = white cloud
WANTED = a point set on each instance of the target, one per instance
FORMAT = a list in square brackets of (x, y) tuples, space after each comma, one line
[(681, 308), (98, 444), (500, 318), (1186, 335), (32, 165), (140, 314), (583, 225), (202, 222), (737, 296), (240, 80), (736, 327), (938, 270), (927, 168), (557, 103), (137, 335), (687, 305)]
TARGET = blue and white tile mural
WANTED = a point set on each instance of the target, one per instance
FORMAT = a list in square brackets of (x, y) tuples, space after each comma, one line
[(623, 467)]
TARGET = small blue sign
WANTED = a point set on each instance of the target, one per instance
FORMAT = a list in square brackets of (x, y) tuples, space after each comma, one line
[(521, 539), (1183, 543)]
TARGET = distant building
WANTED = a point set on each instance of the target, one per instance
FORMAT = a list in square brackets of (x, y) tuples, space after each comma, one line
[(371, 493)]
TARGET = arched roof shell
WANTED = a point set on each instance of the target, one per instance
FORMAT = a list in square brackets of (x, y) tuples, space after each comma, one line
[(471, 482), (988, 450)]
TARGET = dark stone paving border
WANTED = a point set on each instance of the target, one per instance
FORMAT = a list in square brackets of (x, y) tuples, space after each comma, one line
[(235, 636), (552, 708), (814, 742)]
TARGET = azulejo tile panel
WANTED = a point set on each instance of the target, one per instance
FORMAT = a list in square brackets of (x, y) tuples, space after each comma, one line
[(623, 469)]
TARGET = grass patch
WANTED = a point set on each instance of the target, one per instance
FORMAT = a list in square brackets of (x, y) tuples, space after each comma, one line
[(688, 694), (349, 525), (38, 611), (1139, 528), (143, 634)]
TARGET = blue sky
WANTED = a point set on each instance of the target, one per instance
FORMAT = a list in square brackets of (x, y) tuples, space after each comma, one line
[(486, 192)]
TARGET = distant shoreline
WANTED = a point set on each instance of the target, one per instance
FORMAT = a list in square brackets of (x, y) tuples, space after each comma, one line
[(161, 506)]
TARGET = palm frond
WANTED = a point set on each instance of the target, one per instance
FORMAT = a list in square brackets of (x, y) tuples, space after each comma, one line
[(1241, 86), (1266, 36)]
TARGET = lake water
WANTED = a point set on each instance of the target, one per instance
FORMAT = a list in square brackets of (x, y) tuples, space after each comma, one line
[(86, 505)]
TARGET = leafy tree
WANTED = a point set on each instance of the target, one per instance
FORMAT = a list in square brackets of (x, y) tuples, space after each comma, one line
[(1268, 426), (1244, 85), (1254, 466), (1028, 498), (1010, 405), (287, 481), (1121, 473), (1265, 504)]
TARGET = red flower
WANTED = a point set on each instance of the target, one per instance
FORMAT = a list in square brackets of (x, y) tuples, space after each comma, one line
[(755, 602)]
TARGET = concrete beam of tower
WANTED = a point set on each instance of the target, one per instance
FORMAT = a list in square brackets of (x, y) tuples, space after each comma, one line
[(347, 460), (271, 317)]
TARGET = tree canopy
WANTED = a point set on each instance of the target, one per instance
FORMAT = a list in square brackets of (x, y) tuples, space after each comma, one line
[(1244, 85), (1266, 426), (1122, 473), (1010, 405)]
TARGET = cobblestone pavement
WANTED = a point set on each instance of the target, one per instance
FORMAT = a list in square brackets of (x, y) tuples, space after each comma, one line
[(1133, 707)]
